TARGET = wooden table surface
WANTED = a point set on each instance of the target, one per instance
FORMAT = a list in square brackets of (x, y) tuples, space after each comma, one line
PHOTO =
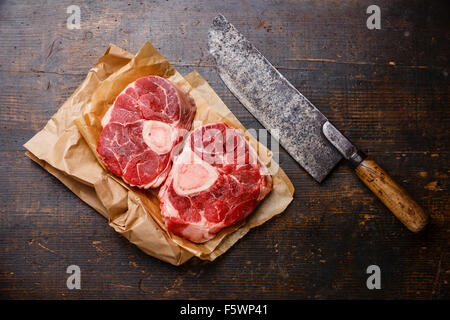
[(388, 90)]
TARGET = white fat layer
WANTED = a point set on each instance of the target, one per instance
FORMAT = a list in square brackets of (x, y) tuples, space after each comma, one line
[(150, 125), (197, 233), (159, 179), (189, 157), (169, 210), (107, 117)]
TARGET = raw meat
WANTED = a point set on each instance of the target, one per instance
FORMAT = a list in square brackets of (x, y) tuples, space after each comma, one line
[(141, 129), (216, 181)]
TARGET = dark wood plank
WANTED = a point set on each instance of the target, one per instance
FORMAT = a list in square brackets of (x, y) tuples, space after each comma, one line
[(387, 89)]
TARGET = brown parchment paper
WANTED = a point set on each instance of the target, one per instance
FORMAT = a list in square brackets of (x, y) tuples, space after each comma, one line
[(66, 148)]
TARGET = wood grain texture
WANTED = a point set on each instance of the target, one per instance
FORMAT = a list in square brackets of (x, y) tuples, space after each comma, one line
[(392, 195), (387, 90)]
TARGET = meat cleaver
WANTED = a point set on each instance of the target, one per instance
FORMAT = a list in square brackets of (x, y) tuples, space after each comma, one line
[(300, 127)]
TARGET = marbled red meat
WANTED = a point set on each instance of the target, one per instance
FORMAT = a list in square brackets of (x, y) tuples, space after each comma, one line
[(216, 181), (141, 129)]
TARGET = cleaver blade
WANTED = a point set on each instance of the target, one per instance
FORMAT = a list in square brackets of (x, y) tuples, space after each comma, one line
[(300, 128), (272, 99)]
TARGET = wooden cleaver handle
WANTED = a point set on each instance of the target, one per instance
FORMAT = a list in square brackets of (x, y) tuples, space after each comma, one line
[(392, 195)]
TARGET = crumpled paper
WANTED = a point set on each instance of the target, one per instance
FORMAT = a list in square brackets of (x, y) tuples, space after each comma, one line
[(66, 148)]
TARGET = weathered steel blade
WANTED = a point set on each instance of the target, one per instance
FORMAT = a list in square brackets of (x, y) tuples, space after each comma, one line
[(338, 140), (343, 145), (274, 101)]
